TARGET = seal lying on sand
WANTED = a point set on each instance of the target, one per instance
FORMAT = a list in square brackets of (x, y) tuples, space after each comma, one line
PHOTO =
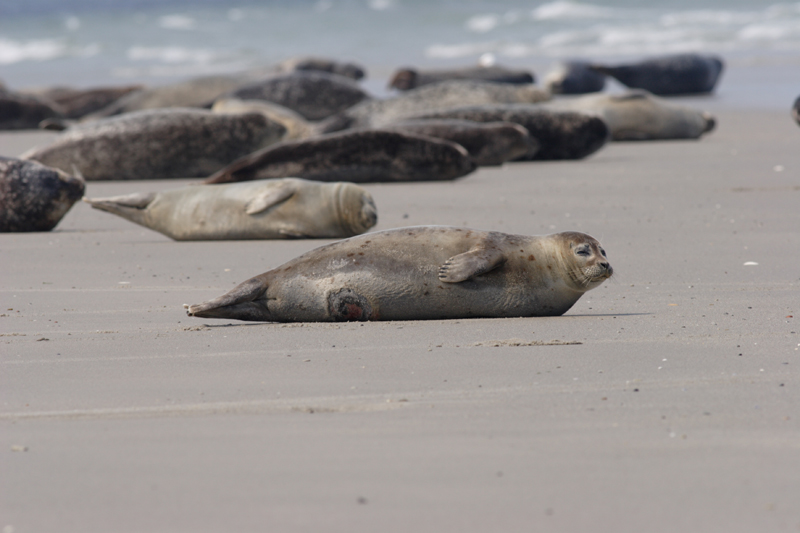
[(561, 134), (796, 110), (488, 144), (314, 95), (574, 77), (677, 74), (640, 116), (76, 103), (430, 98), (158, 144), (264, 209), (321, 64), (23, 111), (409, 78), (417, 273), (34, 197), (358, 156)]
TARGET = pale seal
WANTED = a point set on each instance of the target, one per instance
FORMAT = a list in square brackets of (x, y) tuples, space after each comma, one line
[(488, 143), (358, 156), (560, 134), (409, 78), (264, 209), (430, 98), (314, 95), (22, 111), (418, 273), (321, 64), (640, 116), (574, 77), (668, 75), (158, 144), (34, 197), (296, 126)]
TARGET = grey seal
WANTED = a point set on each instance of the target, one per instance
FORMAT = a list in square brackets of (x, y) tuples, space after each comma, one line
[(488, 143), (314, 95), (429, 98), (419, 273), (23, 111), (640, 116), (574, 77), (668, 75), (409, 78), (158, 144), (358, 156), (264, 209), (322, 64), (34, 197), (560, 134), (77, 103), (796, 110)]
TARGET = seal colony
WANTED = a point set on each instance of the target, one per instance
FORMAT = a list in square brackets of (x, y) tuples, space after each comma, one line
[(263, 209), (421, 273)]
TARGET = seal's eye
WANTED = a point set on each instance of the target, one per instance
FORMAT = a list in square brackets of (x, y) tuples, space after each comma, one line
[(603, 252), (583, 250)]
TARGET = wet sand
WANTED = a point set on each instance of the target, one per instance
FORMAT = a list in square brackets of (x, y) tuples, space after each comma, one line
[(670, 403)]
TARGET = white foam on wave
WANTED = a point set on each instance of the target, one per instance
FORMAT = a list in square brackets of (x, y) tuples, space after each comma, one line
[(42, 50), (564, 9), (172, 54), (177, 22)]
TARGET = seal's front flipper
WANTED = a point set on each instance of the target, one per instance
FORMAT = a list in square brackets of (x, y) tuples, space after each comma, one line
[(245, 302), (271, 197), (470, 264)]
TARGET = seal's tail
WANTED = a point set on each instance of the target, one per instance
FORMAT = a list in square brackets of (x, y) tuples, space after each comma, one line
[(245, 302)]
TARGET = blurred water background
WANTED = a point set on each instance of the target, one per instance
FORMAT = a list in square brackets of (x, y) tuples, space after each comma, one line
[(84, 43)]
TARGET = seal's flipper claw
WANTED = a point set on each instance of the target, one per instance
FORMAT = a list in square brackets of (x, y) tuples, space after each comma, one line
[(470, 264), (242, 303)]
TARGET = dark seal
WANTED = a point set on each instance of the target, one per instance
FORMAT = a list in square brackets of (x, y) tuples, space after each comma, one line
[(410, 78), (668, 75)]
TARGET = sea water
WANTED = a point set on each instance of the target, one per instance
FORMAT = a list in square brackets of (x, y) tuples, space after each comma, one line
[(86, 43)]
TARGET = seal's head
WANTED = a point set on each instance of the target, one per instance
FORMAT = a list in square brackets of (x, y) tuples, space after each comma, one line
[(404, 79), (355, 208), (583, 259)]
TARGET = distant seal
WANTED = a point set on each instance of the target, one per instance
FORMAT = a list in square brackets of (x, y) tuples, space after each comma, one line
[(296, 126), (668, 75), (796, 110), (640, 116), (76, 103), (488, 144), (158, 144), (574, 77), (314, 95), (264, 209), (430, 98), (34, 197), (560, 134), (409, 78), (321, 64), (23, 112), (419, 273), (359, 156)]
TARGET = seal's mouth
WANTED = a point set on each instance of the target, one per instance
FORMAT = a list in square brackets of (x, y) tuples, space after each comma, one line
[(357, 211)]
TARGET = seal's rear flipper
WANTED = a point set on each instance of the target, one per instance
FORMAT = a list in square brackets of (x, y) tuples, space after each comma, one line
[(129, 206), (245, 302)]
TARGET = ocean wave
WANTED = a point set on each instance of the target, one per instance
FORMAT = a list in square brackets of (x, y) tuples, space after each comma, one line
[(177, 22), (564, 9), (173, 54), (42, 50)]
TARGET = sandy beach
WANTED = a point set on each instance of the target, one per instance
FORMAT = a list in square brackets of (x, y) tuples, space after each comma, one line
[(668, 399)]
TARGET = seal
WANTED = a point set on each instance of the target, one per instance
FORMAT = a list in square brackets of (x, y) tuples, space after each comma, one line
[(419, 273), (314, 95), (296, 126), (158, 144), (34, 197), (574, 77), (264, 209), (358, 156), (23, 112), (640, 116), (560, 134), (488, 143), (668, 75), (409, 78), (76, 103), (430, 98), (321, 64), (796, 110)]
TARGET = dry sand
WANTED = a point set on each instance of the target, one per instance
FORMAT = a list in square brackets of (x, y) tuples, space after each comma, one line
[(671, 402)]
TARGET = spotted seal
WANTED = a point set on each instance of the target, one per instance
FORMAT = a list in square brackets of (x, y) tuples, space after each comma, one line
[(668, 75), (34, 197), (158, 144), (263, 209), (410, 78), (321, 64), (418, 273)]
